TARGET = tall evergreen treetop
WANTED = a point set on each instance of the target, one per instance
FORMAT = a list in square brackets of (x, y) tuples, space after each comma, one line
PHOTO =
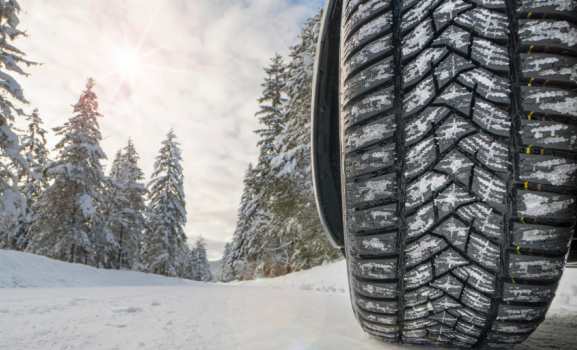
[(200, 265), (33, 145), (165, 247), (68, 212)]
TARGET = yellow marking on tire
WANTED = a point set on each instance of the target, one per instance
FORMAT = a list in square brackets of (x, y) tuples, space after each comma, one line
[(522, 219), (526, 185), (530, 114), (531, 48), (531, 81), (529, 15), (529, 149), (512, 279)]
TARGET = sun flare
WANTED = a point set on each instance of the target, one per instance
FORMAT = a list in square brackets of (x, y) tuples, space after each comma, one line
[(128, 62)]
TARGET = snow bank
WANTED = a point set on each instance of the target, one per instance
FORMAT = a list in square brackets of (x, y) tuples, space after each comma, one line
[(329, 278), (18, 269)]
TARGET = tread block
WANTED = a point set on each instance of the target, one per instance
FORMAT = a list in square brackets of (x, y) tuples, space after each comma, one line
[(371, 160), (484, 219), (416, 312), (527, 293), (545, 205), (380, 330), (488, 85), (476, 300), (377, 318), (520, 313), (448, 11), (484, 252), (549, 101), (456, 97), (486, 23), (380, 244), (492, 153), (448, 260), (445, 303), (449, 285), (455, 38), (456, 165), (451, 131), (464, 340), (421, 221), (378, 102), (506, 338), (421, 296), (535, 267), (549, 134), (451, 198), (468, 316), (491, 4), (489, 187), (455, 231), (378, 26), (445, 333), (370, 78), (424, 188), (419, 276), (444, 318), (379, 48), (349, 7), (372, 219), (414, 335), (412, 17), (450, 68), (490, 55), (418, 68), (547, 33), (373, 268), (420, 156), (541, 237), (377, 306), (468, 328), (420, 126), (423, 249), (376, 188), (548, 67), (548, 170), (418, 324), (476, 277), (509, 327), (375, 290), (372, 133), (549, 8), (416, 40), (419, 97), (363, 12), (491, 118)]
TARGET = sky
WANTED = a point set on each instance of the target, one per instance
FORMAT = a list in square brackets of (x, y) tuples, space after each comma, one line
[(192, 65)]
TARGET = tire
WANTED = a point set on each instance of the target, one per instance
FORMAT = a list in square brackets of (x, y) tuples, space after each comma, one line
[(459, 166)]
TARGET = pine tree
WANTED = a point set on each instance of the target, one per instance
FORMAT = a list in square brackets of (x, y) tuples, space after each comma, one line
[(69, 224), (226, 273), (199, 260), (124, 207), (165, 245), (12, 163)]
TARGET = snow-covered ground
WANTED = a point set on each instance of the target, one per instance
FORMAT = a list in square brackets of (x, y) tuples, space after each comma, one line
[(78, 307)]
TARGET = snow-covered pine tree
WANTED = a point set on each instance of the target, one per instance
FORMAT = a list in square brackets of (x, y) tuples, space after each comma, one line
[(165, 248), (31, 183), (69, 225), (226, 273), (12, 163), (199, 260), (295, 222), (124, 208)]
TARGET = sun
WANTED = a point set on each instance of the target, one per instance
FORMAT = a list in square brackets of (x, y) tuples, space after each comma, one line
[(128, 62)]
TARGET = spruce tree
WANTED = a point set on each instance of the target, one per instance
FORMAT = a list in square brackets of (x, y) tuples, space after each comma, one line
[(165, 248), (69, 225), (12, 163), (199, 260), (124, 208), (226, 273)]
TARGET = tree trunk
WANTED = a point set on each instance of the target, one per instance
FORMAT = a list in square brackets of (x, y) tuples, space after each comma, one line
[(72, 253), (291, 252), (120, 250)]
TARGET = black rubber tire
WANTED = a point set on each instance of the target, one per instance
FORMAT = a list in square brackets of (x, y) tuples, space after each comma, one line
[(459, 142)]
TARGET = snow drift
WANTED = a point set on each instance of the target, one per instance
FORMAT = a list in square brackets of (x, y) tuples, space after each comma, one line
[(19, 269)]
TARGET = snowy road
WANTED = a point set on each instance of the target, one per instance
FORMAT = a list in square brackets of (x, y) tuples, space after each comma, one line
[(304, 310)]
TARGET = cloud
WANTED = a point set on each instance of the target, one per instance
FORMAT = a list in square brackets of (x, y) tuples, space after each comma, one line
[(202, 77)]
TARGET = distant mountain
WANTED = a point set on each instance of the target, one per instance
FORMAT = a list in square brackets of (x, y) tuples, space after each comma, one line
[(215, 268)]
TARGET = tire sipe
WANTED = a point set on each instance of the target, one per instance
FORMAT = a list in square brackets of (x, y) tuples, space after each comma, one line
[(459, 165)]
